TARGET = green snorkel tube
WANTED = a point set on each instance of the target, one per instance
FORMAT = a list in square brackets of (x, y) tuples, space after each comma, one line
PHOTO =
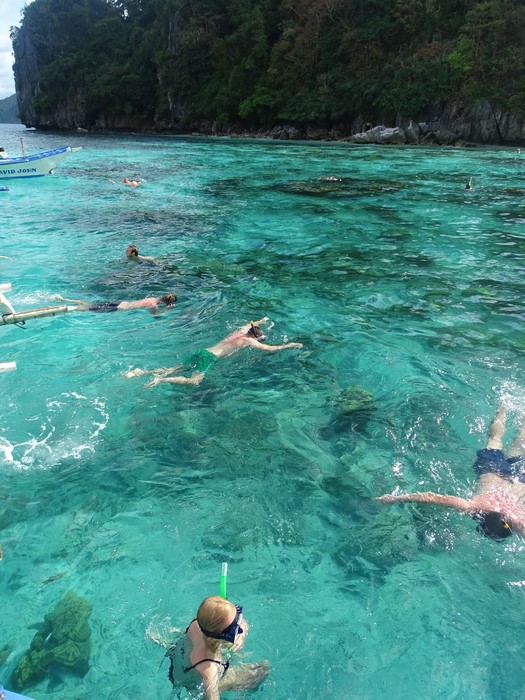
[(224, 576), (222, 593)]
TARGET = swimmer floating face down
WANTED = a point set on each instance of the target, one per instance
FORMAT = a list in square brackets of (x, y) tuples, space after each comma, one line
[(493, 525)]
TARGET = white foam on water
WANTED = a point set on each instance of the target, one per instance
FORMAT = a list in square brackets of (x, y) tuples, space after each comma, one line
[(512, 397), (37, 297), (71, 427)]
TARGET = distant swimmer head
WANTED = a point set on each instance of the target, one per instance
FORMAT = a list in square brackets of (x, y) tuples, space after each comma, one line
[(255, 332), (169, 299), (493, 525), (132, 251)]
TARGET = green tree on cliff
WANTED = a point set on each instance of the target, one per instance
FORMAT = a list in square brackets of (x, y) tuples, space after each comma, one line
[(261, 62)]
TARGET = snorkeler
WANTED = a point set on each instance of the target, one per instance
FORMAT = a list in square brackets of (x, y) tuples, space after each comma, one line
[(200, 657), (247, 336), (498, 503), (150, 303), (132, 253), (133, 183)]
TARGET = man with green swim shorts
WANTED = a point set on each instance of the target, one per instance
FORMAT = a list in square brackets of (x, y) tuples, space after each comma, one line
[(202, 361), (248, 336)]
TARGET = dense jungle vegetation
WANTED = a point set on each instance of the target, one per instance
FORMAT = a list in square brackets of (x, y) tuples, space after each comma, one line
[(263, 62)]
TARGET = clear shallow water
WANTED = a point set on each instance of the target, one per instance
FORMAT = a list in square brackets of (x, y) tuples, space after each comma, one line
[(396, 280)]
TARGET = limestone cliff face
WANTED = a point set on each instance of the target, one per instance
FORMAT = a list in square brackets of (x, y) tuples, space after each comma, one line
[(480, 122), (477, 123), (25, 69)]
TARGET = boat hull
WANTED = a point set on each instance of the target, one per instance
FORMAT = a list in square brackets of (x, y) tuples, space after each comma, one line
[(37, 165)]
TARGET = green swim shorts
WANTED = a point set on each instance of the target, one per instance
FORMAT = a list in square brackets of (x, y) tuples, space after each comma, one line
[(202, 361)]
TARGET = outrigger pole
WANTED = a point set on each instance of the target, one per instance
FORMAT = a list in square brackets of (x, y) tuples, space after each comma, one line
[(9, 316)]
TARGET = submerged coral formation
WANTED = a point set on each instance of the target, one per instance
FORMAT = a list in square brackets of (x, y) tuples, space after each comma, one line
[(354, 407), (391, 538), (354, 399), (63, 641)]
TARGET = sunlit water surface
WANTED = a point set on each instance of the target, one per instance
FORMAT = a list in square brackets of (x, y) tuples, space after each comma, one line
[(408, 293)]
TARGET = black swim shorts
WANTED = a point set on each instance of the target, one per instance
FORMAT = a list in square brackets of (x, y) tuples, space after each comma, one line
[(495, 462), (105, 307)]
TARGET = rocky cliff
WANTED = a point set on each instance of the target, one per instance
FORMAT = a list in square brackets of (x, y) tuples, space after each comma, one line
[(477, 122), (9, 111)]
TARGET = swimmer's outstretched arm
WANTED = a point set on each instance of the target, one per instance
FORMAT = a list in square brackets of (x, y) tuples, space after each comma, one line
[(272, 348), (437, 499), (159, 312)]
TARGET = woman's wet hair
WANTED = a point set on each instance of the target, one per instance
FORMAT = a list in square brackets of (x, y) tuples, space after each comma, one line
[(132, 251), (169, 299), (493, 525), (255, 331), (214, 615)]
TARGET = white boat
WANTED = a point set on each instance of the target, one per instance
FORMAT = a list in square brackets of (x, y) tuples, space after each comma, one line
[(34, 166)]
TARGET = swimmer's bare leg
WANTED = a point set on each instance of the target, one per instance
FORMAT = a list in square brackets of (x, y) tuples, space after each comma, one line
[(81, 302), (161, 371), (245, 676), (497, 430), (195, 379), (518, 446)]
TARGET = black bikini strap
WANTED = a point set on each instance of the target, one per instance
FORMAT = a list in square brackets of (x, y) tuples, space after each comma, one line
[(225, 665)]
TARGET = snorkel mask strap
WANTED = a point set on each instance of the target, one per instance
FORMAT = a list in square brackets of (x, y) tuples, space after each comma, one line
[(207, 633)]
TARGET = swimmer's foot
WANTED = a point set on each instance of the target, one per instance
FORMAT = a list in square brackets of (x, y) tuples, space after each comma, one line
[(196, 378), (137, 372)]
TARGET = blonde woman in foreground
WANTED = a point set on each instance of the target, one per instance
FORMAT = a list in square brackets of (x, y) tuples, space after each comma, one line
[(201, 656)]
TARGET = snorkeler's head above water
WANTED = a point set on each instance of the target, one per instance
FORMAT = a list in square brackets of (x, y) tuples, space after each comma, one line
[(493, 525), (255, 332), (219, 619), (168, 299)]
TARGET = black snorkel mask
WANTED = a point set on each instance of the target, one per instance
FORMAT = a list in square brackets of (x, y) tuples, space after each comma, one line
[(255, 332), (229, 634)]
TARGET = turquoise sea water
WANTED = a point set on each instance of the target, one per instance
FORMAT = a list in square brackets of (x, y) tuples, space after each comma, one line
[(396, 280)]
